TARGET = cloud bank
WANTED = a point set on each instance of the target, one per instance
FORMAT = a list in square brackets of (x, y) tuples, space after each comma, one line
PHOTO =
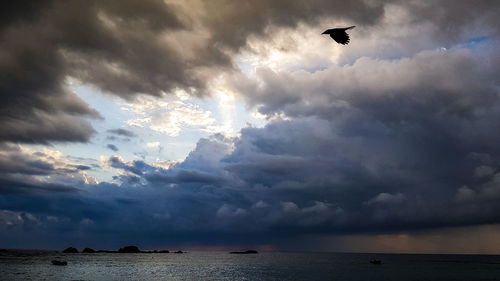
[(395, 133)]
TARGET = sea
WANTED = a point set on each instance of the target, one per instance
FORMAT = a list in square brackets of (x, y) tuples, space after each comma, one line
[(36, 265)]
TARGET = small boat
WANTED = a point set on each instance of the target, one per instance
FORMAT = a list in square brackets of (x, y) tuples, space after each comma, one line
[(56, 262), (245, 252), (375, 261)]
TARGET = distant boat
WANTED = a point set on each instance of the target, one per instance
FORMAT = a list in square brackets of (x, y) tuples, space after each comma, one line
[(56, 262), (375, 261), (245, 252)]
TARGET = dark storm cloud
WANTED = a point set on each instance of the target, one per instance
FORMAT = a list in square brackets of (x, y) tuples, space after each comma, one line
[(456, 20), (44, 128), (412, 147), (431, 81), (160, 176), (57, 39), (124, 48), (112, 147), (376, 146), (27, 187), (25, 173), (133, 47), (415, 152), (136, 167), (296, 177), (122, 132), (252, 17), (14, 161), (183, 176)]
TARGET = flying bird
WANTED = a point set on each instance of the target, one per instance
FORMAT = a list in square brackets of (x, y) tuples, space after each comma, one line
[(339, 34)]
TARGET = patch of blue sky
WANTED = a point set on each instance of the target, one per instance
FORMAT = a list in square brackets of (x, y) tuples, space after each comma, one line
[(473, 43), (133, 148), (480, 47), (477, 40), (229, 113)]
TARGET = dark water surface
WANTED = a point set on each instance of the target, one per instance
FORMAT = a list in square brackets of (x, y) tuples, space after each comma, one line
[(263, 266)]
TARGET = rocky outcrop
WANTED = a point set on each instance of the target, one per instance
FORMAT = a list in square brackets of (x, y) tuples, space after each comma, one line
[(88, 250), (70, 250), (129, 249)]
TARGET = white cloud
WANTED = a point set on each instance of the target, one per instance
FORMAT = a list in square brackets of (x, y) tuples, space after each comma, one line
[(164, 164), (226, 211), (45, 165), (260, 204), (289, 207), (464, 193), (169, 115), (153, 144), (483, 171), (386, 198)]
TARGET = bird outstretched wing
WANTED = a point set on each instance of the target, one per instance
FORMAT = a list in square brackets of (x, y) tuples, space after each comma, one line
[(340, 37), (339, 34)]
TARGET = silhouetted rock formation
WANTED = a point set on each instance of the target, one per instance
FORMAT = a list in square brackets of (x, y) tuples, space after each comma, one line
[(126, 249), (88, 250), (245, 252), (70, 250), (57, 262), (129, 249)]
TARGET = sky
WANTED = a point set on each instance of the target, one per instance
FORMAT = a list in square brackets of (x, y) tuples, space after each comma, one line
[(235, 124)]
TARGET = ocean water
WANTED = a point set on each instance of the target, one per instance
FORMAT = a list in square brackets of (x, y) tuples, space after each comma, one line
[(262, 266)]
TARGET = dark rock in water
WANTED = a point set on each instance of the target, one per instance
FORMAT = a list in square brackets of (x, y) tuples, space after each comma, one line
[(88, 250), (164, 251), (179, 252), (245, 252), (129, 249), (57, 262), (70, 250), (3, 250), (375, 261)]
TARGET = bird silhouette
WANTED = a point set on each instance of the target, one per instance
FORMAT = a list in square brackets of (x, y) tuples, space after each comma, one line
[(339, 34)]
